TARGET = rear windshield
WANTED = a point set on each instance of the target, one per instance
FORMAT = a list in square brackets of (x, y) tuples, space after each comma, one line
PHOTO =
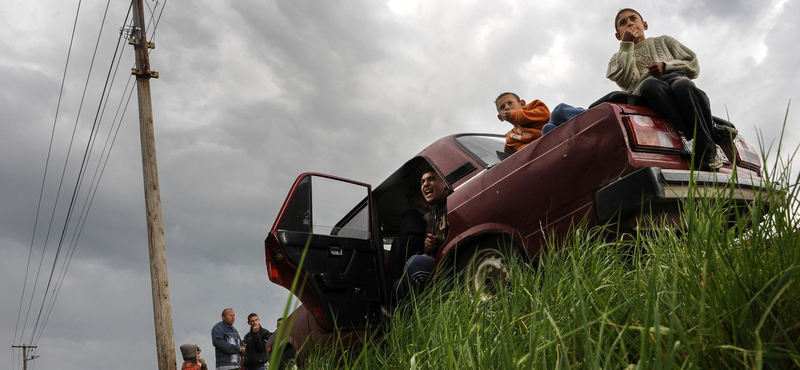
[(487, 149)]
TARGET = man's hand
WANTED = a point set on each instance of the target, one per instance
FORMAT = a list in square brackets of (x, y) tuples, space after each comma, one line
[(241, 349), (430, 245), (657, 68)]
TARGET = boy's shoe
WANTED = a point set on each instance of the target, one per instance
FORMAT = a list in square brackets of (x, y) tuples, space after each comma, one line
[(723, 135), (713, 165)]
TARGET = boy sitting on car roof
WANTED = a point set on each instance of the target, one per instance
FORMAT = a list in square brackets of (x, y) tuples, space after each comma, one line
[(660, 70), (531, 120)]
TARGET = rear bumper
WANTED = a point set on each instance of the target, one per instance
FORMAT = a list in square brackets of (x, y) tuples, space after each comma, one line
[(656, 185)]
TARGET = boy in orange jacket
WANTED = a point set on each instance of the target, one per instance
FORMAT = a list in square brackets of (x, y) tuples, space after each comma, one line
[(527, 119), (531, 120)]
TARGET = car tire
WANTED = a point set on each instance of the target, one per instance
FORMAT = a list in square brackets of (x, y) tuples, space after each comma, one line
[(289, 360), (484, 267)]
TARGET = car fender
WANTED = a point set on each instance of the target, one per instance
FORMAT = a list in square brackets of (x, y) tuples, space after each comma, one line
[(286, 342), (448, 251)]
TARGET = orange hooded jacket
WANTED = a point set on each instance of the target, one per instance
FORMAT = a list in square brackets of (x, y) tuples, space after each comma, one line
[(528, 123)]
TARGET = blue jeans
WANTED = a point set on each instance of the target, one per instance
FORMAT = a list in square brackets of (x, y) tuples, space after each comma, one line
[(416, 273), (560, 114)]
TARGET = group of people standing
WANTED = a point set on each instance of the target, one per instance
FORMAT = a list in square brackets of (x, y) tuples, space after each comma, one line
[(230, 350)]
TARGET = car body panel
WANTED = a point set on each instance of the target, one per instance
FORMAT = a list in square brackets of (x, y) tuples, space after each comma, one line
[(551, 201), (303, 332)]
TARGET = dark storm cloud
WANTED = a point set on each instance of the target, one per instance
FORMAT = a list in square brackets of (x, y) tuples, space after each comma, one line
[(307, 32), (20, 126)]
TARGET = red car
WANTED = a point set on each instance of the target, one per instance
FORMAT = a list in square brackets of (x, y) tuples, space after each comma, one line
[(609, 164)]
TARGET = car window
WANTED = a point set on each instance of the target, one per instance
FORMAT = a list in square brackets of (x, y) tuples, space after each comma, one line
[(487, 149), (297, 216), (325, 206), (333, 203), (358, 226)]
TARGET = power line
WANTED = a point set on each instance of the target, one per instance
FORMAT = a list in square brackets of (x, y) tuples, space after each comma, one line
[(151, 9), (93, 185), (80, 231), (86, 203), (44, 176), (80, 172), (155, 28), (44, 315), (95, 181), (92, 191)]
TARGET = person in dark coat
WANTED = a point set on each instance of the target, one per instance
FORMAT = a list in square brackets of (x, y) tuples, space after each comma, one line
[(255, 344), (419, 268)]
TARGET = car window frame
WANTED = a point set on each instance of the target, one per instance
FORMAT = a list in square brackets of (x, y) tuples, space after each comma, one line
[(471, 154)]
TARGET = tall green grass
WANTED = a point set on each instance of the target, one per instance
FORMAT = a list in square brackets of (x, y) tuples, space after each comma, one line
[(703, 294)]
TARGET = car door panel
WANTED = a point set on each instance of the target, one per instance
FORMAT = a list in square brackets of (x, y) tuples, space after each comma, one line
[(341, 267)]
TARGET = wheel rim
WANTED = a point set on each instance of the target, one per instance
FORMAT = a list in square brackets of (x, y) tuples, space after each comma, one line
[(488, 273)]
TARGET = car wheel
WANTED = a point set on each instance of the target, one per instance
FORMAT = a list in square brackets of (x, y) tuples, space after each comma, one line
[(485, 272), (289, 360)]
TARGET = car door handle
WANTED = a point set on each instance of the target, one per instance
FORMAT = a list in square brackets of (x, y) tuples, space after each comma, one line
[(335, 251)]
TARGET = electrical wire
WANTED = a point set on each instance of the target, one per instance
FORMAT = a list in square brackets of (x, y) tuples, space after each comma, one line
[(95, 180), (44, 176), (155, 28), (60, 185), (80, 173), (94, 185), (91, 201), (149, 8)]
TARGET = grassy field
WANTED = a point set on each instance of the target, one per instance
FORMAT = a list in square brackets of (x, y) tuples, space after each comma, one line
[(701, 295)]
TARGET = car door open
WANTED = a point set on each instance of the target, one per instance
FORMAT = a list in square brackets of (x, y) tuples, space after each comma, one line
[(332, 222)]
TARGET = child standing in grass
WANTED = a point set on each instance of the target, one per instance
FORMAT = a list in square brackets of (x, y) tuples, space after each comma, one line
[(660, 70)]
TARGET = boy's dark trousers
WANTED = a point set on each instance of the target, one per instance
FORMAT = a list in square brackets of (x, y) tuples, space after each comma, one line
[(677, 98)]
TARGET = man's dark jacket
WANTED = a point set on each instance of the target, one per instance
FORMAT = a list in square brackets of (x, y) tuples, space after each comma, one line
[(255, 354)]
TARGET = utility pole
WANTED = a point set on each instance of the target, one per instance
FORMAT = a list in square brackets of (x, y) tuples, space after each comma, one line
[(25, 358), (162, 310)]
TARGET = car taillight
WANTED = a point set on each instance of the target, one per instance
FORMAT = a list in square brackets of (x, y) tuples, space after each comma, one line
[(746, 153), (653, 133), (317, 312), (276, 267), (274, 275)]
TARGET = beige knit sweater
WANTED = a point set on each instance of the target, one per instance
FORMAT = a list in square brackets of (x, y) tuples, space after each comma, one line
[(628, 67)]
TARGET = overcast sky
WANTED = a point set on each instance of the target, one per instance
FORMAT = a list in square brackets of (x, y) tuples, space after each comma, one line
[(252, 93)]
